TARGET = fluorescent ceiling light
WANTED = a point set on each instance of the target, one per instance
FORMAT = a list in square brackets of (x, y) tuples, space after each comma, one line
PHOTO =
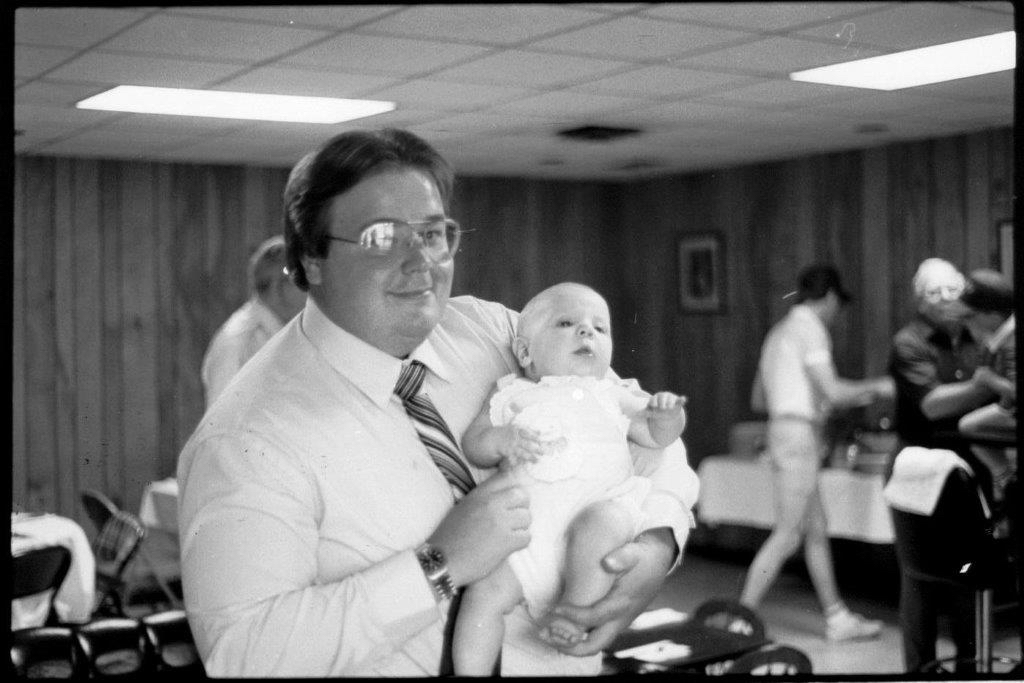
[(922, 66), (223, 104)]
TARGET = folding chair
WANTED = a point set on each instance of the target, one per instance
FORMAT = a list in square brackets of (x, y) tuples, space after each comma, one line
[(40, 570), (955, 546), (117, 544)]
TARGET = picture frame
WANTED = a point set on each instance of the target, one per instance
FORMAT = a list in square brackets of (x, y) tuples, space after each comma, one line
[(700, 259), (1006, 248)]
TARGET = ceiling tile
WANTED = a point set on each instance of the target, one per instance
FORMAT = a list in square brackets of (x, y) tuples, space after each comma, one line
[(300, 16), (309, 81), (70, 26), (634, 39), (529, 69), (112, 68), (30, 62), (569, 105), (759, 16), (446, 96), (994, 87), (51, 93), (491, 24), (914, 24), (498, 122), (661, 81), (776, 56), (33, 116), (780, 94), (364, 54), (168, 34)]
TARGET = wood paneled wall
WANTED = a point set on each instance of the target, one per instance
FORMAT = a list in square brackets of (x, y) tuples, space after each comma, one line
[(123, 270)]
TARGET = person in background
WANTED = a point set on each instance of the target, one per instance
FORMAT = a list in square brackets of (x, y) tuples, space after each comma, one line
[(797, 384), (273, 300), (327, 516), (933, 362), (989, 299), (563, 428)]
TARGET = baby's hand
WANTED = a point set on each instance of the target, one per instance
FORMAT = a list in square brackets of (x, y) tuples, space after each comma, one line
[(665, 405), (520, 444)]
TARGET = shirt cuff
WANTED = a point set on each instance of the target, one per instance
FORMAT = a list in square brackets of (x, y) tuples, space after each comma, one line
[(405, 602)]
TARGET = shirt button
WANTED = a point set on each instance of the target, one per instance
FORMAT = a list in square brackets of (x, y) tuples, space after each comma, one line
[(959, 374)]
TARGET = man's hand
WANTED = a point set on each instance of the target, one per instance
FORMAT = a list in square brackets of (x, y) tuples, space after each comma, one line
[(641, 567), (478, 533)]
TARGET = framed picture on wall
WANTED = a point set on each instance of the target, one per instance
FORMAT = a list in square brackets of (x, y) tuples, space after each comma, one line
[(1006, 248), (701, 265)]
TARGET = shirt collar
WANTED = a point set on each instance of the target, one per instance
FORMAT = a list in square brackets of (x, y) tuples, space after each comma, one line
[(374, 372), (804, 311)]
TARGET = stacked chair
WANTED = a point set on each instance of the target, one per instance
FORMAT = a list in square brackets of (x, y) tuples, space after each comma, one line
[(118, 542), (156, 646)]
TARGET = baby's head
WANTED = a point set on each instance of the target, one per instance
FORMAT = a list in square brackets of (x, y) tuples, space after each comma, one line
[(565, 330)]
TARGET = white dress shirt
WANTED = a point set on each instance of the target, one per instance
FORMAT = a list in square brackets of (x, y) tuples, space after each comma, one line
[(234, 343), (306, 489), (797, 342)]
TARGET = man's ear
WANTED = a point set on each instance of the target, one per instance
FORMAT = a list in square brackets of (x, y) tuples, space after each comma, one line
[(312, 268), (521, 348)]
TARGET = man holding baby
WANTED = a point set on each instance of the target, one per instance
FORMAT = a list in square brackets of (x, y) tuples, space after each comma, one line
[(324, 529)]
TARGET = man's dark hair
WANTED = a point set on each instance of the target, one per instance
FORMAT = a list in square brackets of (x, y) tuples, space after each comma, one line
[(336, 167)]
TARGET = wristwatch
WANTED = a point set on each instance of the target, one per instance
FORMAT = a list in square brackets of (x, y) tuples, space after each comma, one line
[(435, 568)]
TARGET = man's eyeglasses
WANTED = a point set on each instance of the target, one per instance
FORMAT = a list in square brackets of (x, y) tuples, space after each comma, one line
[(439, 236), (934, 295)]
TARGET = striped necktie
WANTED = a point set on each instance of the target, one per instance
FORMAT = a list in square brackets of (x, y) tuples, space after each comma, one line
[(432, 429)]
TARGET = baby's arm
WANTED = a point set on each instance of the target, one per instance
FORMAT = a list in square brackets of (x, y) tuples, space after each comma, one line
[(487, 445), (659, 421)]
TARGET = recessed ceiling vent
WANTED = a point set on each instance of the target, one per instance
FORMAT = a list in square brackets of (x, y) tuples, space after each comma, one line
[(871, 128), (639, 165), (597, 133)]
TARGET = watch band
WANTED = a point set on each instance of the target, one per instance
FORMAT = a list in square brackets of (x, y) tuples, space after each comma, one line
[(435, 569)]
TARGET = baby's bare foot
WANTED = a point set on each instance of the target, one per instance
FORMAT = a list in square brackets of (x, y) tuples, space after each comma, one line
[(561, 631)]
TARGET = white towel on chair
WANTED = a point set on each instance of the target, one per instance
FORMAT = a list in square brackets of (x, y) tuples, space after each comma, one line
[(918, 475)]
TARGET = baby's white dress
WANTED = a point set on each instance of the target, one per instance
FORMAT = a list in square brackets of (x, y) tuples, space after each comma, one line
[(588, 460)]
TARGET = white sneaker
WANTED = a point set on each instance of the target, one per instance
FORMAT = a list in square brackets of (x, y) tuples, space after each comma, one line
[(849, 626)]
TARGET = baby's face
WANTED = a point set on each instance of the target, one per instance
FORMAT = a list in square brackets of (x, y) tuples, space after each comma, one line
[(571, 336)]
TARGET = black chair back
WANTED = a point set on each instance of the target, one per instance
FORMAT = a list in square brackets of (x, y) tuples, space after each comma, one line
[(113, 648), (39, 570), (98, 507), (45, 652), (954, 544)]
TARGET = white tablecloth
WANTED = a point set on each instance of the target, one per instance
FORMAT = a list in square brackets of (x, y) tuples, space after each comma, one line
[(735, 490), (159, 513), (159, 509), (74, 601)]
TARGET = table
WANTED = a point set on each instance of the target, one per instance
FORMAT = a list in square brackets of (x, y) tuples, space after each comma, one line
[(158, 512), (75, 599), (739, 490)]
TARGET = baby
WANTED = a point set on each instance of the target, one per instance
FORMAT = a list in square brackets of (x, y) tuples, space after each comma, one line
[(562, 431)]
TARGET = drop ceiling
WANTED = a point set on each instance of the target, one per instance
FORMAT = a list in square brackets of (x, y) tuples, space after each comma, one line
[(491, 85)]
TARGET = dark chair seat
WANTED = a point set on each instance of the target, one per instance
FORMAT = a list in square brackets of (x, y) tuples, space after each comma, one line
[(772, 660), (113, 647), (45, 652), (171, 645), (39, 570)]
